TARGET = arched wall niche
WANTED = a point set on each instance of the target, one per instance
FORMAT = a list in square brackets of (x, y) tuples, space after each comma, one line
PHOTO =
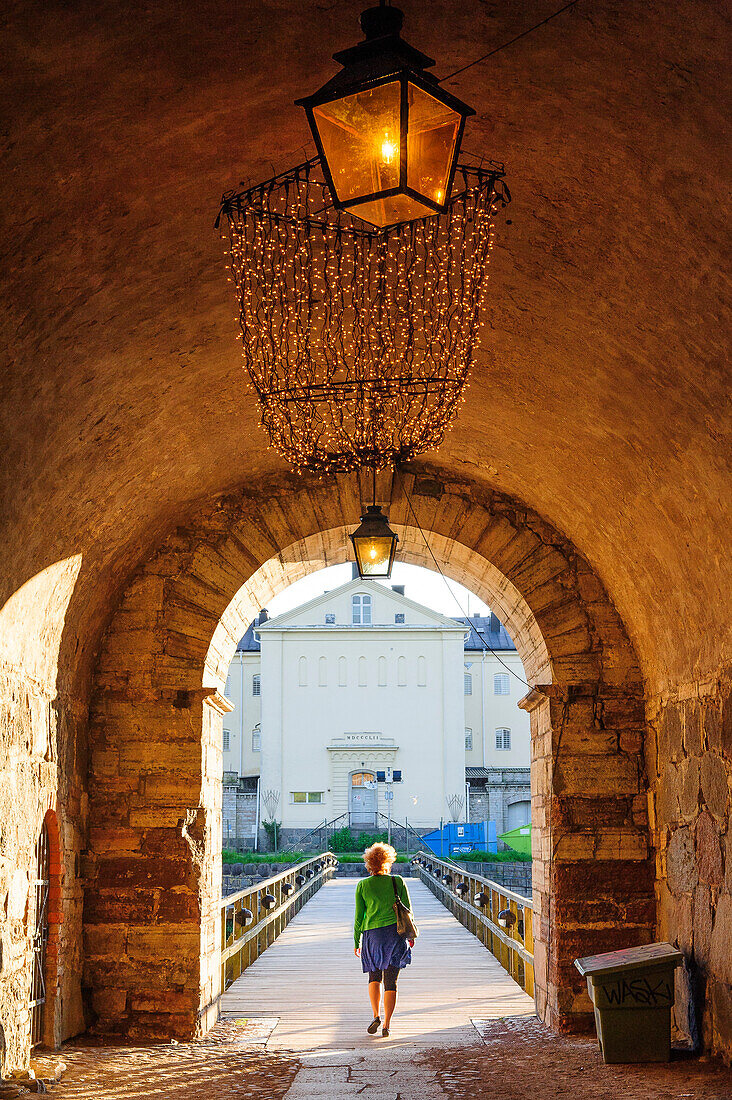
[(153, 882)]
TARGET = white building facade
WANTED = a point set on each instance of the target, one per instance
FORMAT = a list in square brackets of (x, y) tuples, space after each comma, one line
[(361, 683)]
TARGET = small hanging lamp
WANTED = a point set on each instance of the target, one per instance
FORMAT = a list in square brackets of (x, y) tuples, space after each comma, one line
[(387, 134), (374, 542)]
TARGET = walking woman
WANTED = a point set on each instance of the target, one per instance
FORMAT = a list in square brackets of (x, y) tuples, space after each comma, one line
[(382, 950)]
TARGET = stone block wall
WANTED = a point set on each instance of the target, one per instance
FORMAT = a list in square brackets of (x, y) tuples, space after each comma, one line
[(41, 778), (690, 761), (513, 876), (491, 797), (239, 818)]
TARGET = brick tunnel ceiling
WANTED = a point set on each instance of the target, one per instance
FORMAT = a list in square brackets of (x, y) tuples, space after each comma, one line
[(599, 399)]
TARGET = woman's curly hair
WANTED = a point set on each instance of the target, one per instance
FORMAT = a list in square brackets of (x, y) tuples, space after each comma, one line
[(379, 858)]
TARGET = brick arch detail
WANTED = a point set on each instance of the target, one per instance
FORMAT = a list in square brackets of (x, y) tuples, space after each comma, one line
[(153, 883), (55, 919)]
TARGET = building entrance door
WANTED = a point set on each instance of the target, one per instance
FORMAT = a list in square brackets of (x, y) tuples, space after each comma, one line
[(362, 803)]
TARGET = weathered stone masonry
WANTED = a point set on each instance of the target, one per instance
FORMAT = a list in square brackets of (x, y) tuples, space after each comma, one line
[(689, 757), (152, 869)]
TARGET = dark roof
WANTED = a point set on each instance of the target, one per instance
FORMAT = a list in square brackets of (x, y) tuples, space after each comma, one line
[(477, 773), (489, 628), (250, 643)]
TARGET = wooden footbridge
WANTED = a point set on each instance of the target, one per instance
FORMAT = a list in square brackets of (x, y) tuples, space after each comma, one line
[(308, 989)]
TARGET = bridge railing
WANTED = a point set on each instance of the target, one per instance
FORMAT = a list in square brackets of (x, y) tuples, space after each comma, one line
[(502, 920), (253, 918)]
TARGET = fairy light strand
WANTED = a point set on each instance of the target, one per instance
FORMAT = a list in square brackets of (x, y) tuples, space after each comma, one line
[(357, 341)]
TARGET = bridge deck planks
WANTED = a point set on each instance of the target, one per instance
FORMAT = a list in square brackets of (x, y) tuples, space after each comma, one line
[(312, 981)]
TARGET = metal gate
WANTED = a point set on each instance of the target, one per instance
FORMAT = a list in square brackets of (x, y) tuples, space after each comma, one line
[(40, 936)]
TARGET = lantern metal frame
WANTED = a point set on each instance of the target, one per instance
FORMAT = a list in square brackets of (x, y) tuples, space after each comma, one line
[(385, 58)]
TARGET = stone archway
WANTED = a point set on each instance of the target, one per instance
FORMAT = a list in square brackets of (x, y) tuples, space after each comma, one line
[(152, 898)]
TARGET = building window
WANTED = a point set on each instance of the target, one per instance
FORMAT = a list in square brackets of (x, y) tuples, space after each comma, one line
[(306, 796), (362, 682), (361, 610), (503, 739), (227, 740), (468, 739), (401, 672), (256, 740), (468, 683), (501, 684), (399, 617), (382, 672), (421, 672), (329, 618), (302, 672), (342, 672), (227, 688), (298, 796), (256, 684), (315, 796), (322, 672)]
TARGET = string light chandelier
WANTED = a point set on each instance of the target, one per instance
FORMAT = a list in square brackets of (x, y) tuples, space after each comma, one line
[(359, 290)]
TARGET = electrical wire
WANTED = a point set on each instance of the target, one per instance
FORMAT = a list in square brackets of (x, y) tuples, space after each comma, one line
[(516, 38), (452, 594)]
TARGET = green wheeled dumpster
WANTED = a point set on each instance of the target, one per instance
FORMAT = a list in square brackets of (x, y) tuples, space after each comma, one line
[(633, 994)]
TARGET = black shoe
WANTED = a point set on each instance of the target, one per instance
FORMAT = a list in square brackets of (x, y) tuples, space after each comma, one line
[(374, 1025), (385, 1032)]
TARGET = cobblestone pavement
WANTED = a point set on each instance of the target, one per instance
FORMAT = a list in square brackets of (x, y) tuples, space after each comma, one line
[(230, 1063), (516, 1059), (520, 1059)]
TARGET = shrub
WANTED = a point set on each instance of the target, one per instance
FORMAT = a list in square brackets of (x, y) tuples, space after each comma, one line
[(491, 857)]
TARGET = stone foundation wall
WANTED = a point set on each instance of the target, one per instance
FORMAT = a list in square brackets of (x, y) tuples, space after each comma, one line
[(513, 876), (41, 768), (690, 761)]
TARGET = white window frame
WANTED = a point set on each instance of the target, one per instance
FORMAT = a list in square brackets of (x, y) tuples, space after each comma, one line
[(503, 739), (468, 739), (256, 739), (307, 798), (257, 684), (361, 609), (226, 741), (501, 683), (467, 683)]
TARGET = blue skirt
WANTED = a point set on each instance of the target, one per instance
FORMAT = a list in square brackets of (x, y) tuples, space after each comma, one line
[(382, 947)]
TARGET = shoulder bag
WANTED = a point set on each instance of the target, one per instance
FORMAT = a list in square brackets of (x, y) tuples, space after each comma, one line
[(405, 921)]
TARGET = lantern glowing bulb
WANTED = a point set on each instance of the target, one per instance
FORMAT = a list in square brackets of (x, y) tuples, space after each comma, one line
[(388, 149)]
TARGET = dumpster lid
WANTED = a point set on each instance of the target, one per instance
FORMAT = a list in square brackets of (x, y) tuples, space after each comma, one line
[(651, 955)]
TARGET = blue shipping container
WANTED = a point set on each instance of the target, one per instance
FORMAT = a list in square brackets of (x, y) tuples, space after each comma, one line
[(477, 836)]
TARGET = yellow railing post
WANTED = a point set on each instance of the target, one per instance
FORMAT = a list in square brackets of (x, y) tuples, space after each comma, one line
[(242, 943), (513, 945)]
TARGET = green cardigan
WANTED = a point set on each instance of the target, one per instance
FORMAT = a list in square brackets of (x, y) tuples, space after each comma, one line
[(375, 903)]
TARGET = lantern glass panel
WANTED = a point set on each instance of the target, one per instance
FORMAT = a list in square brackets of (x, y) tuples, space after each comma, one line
[(374, 555), (360, 135), (431, 141), (391, 210)]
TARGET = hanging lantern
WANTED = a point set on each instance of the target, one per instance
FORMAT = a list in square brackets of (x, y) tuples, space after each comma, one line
[(388, 135), (374, 544)]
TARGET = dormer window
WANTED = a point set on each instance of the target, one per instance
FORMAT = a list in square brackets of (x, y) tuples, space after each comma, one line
[(361, 610)]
